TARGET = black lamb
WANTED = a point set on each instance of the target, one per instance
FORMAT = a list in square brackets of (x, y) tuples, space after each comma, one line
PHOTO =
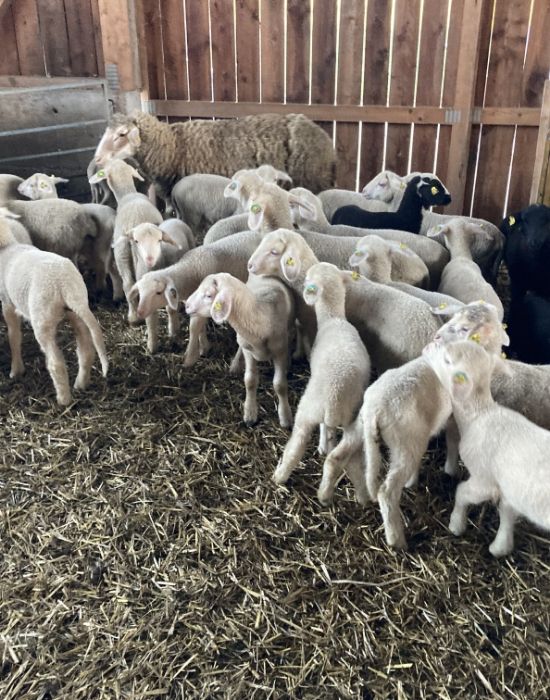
[(529, 329), (421, 192)]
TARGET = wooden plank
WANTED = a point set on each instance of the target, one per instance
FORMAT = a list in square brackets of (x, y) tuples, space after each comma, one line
[(96, 24), (21, 142), (4, 7), (248, 50), (9, 59), (150, 39), (65, 163), (504, 84), (29, 43), (375, 72), (543, 139), (198, 51), (348, 90), (55, 40), (82, 53), (38, 108), (297, 52), (405, 38), (430, 75), (120, 45), (375, 114), (223, 49), (272, 45), (459, 147), (323, 55), (174, 50)]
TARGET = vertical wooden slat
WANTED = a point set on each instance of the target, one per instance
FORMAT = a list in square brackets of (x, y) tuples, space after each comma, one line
[(405, 38), (198, 51), (82, 54), (540, 171), (272, 41), (377, 50), (459, 147), (297, 54), (248, 50), (352, 17), (96, 25), (150, 38), (323, 55), (174, 50), (9, 60), (503, 89), (53, 31), (27, 32), (430, 70), (449, 85), (223, 50), (523, 187)]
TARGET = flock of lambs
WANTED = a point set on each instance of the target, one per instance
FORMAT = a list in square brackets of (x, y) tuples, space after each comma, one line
[(364, 285)]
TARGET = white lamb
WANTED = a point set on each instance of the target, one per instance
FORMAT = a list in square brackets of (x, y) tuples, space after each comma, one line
[(340, 370), (43, 288), (40, 186), (505, 454), (262, 314), (382, 261)]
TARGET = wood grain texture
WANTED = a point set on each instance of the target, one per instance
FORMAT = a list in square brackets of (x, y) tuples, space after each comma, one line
[(27, 33), (248, 50), (297, 52), (198, 51), (82, 53), (273, 47), (54, 37), (174, 50), (323, 58), (9, 59), (223, 50)]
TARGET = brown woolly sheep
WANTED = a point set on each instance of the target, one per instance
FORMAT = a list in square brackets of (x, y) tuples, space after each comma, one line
[(167, 152)]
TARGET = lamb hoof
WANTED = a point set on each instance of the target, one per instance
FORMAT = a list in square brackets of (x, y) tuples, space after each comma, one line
[(286, 423), (362, 498), (397, 541), (457, 526), (64, 400), (280, 477), (325, 498), (19, 372), (251, 422), (189, 361), (498, 550)]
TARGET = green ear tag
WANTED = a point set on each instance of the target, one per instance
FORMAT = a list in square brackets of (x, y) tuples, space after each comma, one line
[(460, 378), (100, 173), (255, 209), (443, 305), (311, 288), (290, 262)]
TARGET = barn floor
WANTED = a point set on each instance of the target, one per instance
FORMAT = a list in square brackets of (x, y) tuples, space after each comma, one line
[(146, 553)]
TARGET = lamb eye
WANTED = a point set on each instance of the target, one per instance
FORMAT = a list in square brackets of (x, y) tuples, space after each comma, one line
[(275, 252), (233, 186)]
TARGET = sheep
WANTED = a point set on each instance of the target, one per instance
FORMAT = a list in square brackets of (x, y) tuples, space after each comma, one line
[(527, 251), (331, 200), (340, 371), (8, 188), (420, 193), (154, 248), (529, 321), (101, 194), (261, 312), (40, 186), (505, 454), (394, 326), (404, 408), (166, 152), (383, 261), (226, 227), (43, 287), (462, 278), (307, 213), (133, 209), (387, 188)]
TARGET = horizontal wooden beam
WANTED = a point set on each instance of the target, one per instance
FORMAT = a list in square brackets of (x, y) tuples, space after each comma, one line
[(376, 114)]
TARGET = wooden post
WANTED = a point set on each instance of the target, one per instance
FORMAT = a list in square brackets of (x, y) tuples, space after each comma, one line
[(541, 172), (466, 75), (120, 30)]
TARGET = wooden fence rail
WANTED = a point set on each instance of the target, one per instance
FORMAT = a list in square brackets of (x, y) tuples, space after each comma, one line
[(448, 85)]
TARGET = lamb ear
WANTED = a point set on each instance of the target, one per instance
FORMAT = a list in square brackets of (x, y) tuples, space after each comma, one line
[(445, 309), (96, 177), (133, 295), (350, 277), (461, 385), (307, 210), (136, 175), (55, 179), (167, 238), (358, 257), (4, 211), (290, 265), (501, 366), (402, 248), (221, 306), (129, 233), (171, 294), (281, 176), (255, 217), (438, 231), (133, 137)]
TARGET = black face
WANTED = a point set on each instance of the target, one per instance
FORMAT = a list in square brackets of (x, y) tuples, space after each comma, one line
[(433, 193), (510, 223)]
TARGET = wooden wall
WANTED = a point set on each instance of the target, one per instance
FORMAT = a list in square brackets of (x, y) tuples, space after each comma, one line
[(52, 38), (380, 75)]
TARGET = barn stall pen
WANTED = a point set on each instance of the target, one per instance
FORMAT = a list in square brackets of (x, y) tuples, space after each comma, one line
[(146, 552)]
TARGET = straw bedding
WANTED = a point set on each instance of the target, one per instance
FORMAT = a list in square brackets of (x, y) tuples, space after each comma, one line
[(145, 553)]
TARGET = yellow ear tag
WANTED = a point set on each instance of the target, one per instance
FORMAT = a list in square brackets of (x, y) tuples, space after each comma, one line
[(459, 378), (402, 245), (504, 326), (475, 337), (443, 305), (290, 262), (403, 185), (434, 190), (511, 220), (503, 355), (217, 306), (481, 301), (355, 276)]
